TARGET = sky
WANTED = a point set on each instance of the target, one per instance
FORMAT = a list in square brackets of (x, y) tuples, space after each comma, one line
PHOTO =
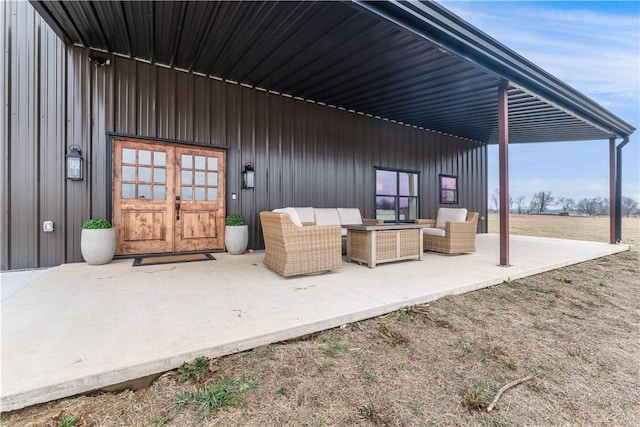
[(594, 46)]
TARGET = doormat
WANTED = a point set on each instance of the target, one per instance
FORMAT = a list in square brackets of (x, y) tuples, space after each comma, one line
[(171, 259)]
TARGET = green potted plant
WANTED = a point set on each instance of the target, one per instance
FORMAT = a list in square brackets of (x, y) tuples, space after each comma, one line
[(98, 241), (236, 234)]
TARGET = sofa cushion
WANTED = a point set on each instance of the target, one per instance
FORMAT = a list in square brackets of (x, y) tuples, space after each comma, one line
[(350, 216), (450, 215), (306, 214), (326, 216), (434, 231), (292, 214)]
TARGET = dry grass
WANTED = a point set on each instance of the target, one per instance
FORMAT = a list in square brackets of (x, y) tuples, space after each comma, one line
[(568, 227), (577, 329)]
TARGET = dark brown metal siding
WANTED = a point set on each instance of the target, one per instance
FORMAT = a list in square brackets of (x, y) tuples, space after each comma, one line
[(304, 154), (51, 186), (46, 96), (22, 116)]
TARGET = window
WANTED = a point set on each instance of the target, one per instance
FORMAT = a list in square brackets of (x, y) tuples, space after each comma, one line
[(397, 197), (448, 189), (198, 178), (143, 174)]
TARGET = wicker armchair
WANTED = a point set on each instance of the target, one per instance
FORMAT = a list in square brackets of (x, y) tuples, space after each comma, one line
[(453, 238), (291, 250)]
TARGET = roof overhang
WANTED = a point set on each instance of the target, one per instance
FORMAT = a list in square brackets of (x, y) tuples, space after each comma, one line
[(410, 62)]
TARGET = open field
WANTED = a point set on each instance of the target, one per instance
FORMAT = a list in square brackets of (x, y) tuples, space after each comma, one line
[(568, 227), (576, 330)]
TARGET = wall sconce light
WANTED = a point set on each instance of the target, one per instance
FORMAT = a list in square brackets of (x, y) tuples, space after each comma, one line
[(248, 176), (74, 163)]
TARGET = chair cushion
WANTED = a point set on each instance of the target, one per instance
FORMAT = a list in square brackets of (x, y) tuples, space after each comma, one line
[(292, 214), (305, 214), (326, 216), (350, 216), (433, 231), (450, 215)]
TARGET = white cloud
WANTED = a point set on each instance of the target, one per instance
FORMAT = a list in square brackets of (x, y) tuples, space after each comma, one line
[(598, 53), (594, 49)]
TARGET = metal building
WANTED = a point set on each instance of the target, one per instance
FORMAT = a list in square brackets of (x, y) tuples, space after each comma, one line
[(174, 99)]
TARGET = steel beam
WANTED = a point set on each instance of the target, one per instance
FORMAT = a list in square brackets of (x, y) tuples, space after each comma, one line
[(618, 199), (503, 165), (612, 190)]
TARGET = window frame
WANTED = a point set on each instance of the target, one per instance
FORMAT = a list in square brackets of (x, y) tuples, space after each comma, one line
[(452, 191), (397, 194)]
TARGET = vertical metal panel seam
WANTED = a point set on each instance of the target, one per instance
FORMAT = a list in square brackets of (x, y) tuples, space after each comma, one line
[(65, 130), (136, 98), (37, 136), (91, 77), (5, 127)]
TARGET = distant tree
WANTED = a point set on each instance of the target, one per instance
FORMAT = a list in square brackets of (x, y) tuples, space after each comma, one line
[(586, 207), (593, 207), (566, 203), (533, 204), (495, 198), (543, 200), (386, 205), (629, 206), (520, 203), (602, 205)]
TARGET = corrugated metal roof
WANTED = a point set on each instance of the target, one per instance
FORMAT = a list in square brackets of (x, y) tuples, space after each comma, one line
[(414, 63)]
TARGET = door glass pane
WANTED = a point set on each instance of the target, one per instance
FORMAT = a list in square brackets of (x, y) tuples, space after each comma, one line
[(212, 163), (159, 158), (128, 191), (386, 208), (186, 193), (159, 175), (212, 194), (128, 173), (144, 174), (386, 182), (186, 162), (186, 177), (200, 162), (199, 178), (212, 178), (128, 155), (159, 192), (199, 193), (144, 157), (144, 191), (408, 184)]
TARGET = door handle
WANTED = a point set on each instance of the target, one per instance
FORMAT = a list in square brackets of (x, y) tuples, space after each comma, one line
[(177, 211)]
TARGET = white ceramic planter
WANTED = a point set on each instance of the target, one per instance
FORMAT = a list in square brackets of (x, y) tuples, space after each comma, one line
[(236, 238), (98, 246)]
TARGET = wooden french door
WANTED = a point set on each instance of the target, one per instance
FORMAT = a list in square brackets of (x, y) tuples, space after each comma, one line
[(167, 197)]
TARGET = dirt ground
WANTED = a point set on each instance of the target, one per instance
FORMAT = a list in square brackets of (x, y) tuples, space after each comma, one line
[(576, 330)]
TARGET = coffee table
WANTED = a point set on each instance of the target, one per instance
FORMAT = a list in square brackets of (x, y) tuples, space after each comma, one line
[(375, 244)]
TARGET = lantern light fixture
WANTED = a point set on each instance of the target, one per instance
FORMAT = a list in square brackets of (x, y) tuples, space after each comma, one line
[(74, 163), (248, 176)]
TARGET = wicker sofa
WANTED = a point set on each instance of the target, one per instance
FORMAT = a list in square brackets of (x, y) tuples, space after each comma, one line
[(292, 249), (334, 216), (452, 232)]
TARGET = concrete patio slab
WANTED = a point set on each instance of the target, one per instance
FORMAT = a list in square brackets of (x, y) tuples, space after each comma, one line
[(76, 328)]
